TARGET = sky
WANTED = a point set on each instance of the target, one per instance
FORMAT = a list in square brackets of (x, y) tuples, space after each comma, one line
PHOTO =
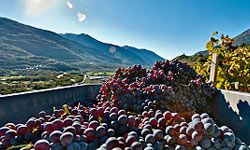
[(167, 27)]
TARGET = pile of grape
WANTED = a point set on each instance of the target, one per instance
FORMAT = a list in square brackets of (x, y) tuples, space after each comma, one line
[(136, 109), (169, 85), (109, 128)]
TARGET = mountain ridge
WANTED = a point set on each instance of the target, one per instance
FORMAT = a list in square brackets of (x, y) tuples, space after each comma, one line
[(23, 46), (89, 41), (243, 38)]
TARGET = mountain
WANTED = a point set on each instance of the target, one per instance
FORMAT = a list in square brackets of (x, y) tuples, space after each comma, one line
[(125, 52), (202, 53), (243, 38), (26, 47)]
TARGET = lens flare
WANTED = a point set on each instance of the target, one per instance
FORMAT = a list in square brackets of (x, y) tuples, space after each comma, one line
[(34, 7)]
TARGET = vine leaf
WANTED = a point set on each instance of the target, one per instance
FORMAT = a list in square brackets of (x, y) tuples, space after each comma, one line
[(215, 33), (209, 46)]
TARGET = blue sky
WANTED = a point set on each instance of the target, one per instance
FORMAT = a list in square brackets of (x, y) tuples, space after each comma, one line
[(168, 27)]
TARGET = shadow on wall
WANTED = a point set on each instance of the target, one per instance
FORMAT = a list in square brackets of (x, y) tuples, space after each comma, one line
[(233, 110)]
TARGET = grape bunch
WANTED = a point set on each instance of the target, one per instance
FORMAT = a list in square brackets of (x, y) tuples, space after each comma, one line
[(106, 127), (169, 85)]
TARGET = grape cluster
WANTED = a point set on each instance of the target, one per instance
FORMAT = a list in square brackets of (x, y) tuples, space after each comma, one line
[(169, 85), (106, 127)]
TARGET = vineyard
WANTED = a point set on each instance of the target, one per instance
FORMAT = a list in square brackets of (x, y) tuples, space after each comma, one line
[(233, 71)]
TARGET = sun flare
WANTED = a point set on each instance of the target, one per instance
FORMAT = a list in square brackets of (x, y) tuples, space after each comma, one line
[(34, 7), (37, 1)]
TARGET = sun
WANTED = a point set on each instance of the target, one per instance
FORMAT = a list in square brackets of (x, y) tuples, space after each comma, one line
[(34, 7), (37, 1)]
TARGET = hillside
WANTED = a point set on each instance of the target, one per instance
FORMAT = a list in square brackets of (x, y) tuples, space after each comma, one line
[(193, 59), (243, 38), (26, 47), (139, 55)]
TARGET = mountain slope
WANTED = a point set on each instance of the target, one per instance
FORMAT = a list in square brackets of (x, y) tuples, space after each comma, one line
[(146, 55), (135, 54), (23, 46), (243, 38)]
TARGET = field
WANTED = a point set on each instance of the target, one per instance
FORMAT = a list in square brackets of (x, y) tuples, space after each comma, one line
[(44, 79)]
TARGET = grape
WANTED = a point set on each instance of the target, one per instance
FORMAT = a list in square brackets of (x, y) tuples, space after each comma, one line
[(130, 139), (196, 136), (218, 143), (158, 134), (100, 131), (209, 128), (204, 115), (183, 139), (183, 129), (111, 143), (66, 138), (207, 120), (70, 129), (67, 122), (48, 127), (93, 124), (133, 133), (170, 130), (153, 122), (170, 140), (179, 147), (31, 123), (190, 130), (122, 119), (149, 138), (57, 124), (55, 136), (195, 116), (122, 144), (205, 142), (42, 145), (148, 126), (225, 129), (89, 133), (145, 132), (229, 135), (111, 132), (10, 134), (136, 146)]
